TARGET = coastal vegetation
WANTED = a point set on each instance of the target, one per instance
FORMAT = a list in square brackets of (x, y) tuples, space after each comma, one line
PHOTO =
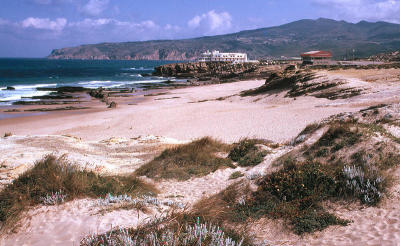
[(339, 166), (176, 229), (195, 159), (236, 175), (336, 167), (248, 152), (204, 156), (53, 180)]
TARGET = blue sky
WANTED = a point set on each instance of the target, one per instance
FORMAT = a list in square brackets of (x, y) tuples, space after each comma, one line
[(32, 28)]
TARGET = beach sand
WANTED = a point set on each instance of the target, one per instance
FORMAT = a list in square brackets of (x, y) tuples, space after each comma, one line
[(179, 116), (189, 113)]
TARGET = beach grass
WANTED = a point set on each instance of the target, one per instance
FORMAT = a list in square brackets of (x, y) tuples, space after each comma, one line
[(179, 229), (182, 162), (54, 175)]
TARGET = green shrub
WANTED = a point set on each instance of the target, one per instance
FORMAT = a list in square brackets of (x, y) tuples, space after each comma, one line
[(246, 153), (294, 194), (336, 138), (236, 175), (312, 221)]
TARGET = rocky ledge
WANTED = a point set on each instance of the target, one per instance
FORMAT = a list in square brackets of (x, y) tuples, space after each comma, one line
[(214, 71)]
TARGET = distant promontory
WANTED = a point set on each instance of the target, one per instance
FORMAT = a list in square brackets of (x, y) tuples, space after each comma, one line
[(342, 38)]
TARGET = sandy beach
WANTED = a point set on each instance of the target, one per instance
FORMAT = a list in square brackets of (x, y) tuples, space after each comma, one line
[(189, 113), (118, 141)]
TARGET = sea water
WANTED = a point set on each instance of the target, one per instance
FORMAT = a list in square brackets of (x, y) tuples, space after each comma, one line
[(26, 75)]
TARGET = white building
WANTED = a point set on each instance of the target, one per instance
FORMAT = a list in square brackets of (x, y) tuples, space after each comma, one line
[(224, 57)]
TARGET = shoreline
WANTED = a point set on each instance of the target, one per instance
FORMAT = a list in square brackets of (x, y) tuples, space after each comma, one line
[(185, 114)]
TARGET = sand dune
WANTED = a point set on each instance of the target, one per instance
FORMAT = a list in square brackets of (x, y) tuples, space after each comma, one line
[(119, 141)]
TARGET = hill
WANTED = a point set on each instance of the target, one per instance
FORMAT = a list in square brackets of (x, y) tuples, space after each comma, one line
[(340, 37)]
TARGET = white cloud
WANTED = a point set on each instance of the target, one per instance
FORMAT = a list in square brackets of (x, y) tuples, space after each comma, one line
[(89, 23), (95, 7), (44, 23), (96, 30), (211, 22), (170, 27), (387, 10)]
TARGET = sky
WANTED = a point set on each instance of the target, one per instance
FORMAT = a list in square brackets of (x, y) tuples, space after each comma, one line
[(32, 28)]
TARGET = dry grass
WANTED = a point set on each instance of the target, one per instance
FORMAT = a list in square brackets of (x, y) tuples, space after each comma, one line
[(52, 175), (195, 159), (7, 134), (221, 206)]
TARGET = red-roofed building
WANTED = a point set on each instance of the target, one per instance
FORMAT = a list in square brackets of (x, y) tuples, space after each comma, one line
[(316, 57)]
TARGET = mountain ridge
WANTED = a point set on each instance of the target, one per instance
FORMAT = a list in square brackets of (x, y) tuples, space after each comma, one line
[(291, 39)]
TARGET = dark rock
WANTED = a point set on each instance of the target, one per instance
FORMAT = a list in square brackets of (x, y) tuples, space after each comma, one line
[(97, 93), (12, 110), (206, 70), (70, 89), (10, 88), (112, 105), (46, 102), (55, 109), (53, 97), (291, 68), (388, 116)]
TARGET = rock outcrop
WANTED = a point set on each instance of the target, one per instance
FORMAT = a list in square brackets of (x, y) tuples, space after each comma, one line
[(300, 82), (112, 105), (216, 71), (386, 57)]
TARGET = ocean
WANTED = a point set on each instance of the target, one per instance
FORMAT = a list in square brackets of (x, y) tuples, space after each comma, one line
[(26, 75)]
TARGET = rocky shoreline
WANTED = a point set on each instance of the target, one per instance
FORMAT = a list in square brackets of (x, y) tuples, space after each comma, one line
[(221, 72), (215, 71)]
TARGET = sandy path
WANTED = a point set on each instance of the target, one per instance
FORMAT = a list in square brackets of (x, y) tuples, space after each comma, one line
[(68, 223)]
